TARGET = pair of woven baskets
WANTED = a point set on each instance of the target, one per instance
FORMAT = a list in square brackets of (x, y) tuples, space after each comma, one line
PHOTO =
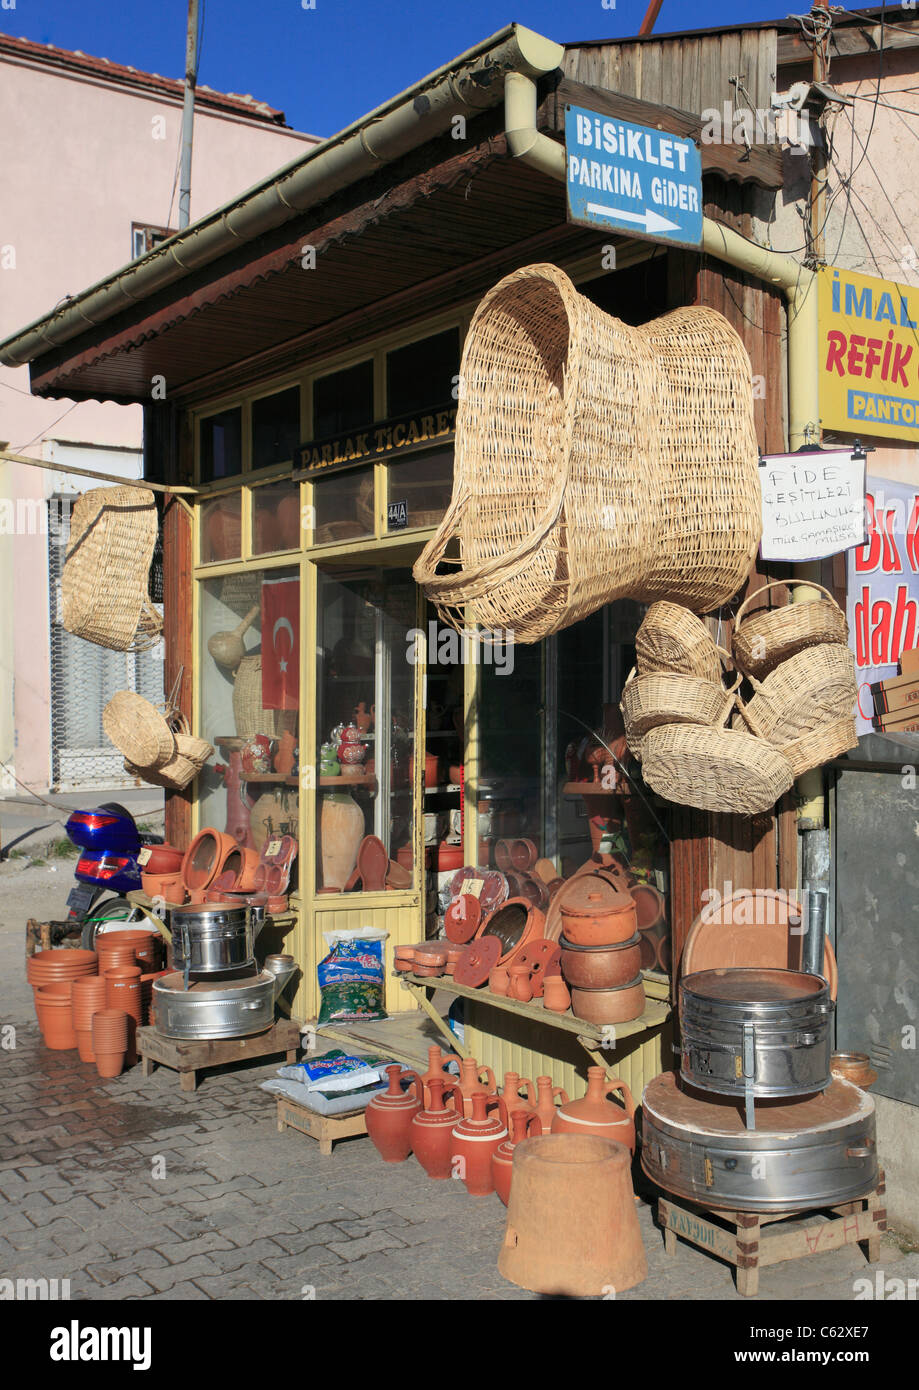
[(593, 461), (156, 744), (104, 585)]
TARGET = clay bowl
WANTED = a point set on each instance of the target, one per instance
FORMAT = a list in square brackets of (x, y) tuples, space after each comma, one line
[(601, 1006), (454, 953), (855, 1067), (503, 858), (276, 905), (601, 967), (164, 859), (602, 927), (242, 864), (524, 855), (514, 923), (649, 906), (152, 884), (648, 946)]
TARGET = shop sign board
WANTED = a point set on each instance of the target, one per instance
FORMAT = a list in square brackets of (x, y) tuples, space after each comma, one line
[(404, 434), (868, 355), (632, 178), (813, 504), (397, 515), (883, 589)]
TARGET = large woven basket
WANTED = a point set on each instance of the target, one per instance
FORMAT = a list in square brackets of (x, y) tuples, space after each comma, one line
[(649, 701), (830, 737), (672, 639), (139, 730), (250, 715), (175, 776), (801, 696), (593, 461), (714, 769), (771, 635), (104, 586)]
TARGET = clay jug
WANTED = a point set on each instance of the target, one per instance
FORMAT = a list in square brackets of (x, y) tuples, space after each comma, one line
[(471, 1080), (474, 1143), (594, 1114), (228, 648), (499, 981), (556, 995), (389, 1117), (510, 1094), (523, 1125), (437, 1070), (545, 1101), (341, 832), (521, 985), (431, 1132)]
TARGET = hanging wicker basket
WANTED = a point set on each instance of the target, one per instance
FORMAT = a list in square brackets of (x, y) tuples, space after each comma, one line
[(593, 462), (250, 715), (830, 737), (772, 635), (671, 639), (649, 701), (139, 730), (714, 769), (814, 687), (104, 586)]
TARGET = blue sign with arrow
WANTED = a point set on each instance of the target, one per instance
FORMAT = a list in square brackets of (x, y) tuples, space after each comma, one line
[(632, 178)]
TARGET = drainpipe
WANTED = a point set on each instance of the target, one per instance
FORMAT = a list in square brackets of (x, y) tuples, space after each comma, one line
[(797, 283)]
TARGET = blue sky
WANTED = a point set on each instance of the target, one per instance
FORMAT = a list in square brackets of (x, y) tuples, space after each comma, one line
[(326, 66)]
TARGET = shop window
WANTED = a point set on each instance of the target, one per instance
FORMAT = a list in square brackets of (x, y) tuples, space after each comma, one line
[(365, 720), (275, 517), (275, 427), (221, 529), (343, 506), (419, 490), (343, 401), (250, 698), (423, 373), (220, 445)]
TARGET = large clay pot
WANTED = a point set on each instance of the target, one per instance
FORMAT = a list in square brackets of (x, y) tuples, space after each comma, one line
[(341, 831), (514, 923), (204, 857), (437, 1071), (474, 1143), (431, 1132), (601, 967), (475, 1078), (594, 1114), (597, 913), (545, 1101), (288, 521), (524, 1124), (55, 1015), (602, 1006), (389, 1117)]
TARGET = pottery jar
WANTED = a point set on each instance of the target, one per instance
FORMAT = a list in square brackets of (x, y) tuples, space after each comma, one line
[(602, 1006), (437, 1071), (594, 1114), (499, 981), (601, 967), (474, 1143), (510, 1093), (475, 1078), (524, 1124), (389, 1117), (597, 913), (521, 985), (514, 923), (431, 1133), (556, 996), (546, 1094)]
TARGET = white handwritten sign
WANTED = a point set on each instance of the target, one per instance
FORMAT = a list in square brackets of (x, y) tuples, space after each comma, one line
[(813, 504)]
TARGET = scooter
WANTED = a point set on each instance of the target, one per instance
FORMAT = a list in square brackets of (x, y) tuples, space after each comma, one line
[(110, 843)]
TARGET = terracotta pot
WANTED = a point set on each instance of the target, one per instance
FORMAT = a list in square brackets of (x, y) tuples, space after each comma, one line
[(123, 994), (545, 1101), (510, 1093), (341, 823), (475, 1078), (556, 996), (855, 1067), (63, 963), (601, 967), (87, 998), (572, 1229), (431, 1131), (55, 1016), (242, 864), (601, 1006), (514, 923), (594, 1114), (649, 906), (163, 859), (597, 913), (521, 986), (84, 1039), (662, 947), (524, 855), (437, 1071), (648, 956), (474, 1143), (449, 857), (167, 886), (204, 858), (389, 1117), (499, 981), (454, 953), (523, 1124)]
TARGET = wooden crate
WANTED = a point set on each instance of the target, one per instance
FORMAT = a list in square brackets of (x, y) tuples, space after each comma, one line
[(741, 1238), (325, 1128), (188, 1058)]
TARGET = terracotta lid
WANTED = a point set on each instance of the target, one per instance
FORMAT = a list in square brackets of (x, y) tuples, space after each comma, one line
[(463, 918), (478, 961), (594, 896), (757, 928)]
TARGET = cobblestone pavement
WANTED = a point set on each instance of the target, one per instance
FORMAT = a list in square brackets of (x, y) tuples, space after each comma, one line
[(243, 1212)]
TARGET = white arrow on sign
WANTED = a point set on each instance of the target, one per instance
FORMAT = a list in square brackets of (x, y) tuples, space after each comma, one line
[(650, 220)]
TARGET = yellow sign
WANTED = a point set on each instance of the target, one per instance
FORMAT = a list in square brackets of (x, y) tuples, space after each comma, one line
[(868, 355)]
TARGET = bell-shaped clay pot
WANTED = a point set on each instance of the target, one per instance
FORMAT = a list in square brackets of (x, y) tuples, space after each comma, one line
[(431, 1131), (389, 1117), (523, 1125), (474, 1143), (594, 1114)]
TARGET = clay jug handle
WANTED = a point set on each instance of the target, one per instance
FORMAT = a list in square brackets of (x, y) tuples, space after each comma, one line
[(502, 1111), (534, 1120), (414, 1079), (615, 1083), (457, 1096), (560, 1091), (490, 1078), (529, 1090)]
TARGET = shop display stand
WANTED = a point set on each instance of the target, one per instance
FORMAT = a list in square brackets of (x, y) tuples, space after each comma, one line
[(739, 1237), (325, 1128), (188, 1058)]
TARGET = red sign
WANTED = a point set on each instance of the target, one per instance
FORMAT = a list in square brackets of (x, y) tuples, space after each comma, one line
[(281, 644)]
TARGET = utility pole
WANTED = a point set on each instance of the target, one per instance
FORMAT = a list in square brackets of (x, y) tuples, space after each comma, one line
[(188, 113)]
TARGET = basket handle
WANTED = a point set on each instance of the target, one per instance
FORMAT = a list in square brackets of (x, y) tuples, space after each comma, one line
[(775, 584), (731, 698), (749, 720)]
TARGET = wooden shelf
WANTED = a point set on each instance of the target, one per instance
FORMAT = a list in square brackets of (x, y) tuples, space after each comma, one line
[(346, 782), (278, 777), (587, 789)]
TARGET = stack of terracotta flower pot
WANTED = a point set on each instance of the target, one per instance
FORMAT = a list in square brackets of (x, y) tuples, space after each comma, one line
[(88, 999), (56, 967), (110, 1040), (123, 993), (53, 1007)]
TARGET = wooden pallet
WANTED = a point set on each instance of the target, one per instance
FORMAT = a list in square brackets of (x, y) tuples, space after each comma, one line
[(750, 1248), (188, 1058), (325, 1128)]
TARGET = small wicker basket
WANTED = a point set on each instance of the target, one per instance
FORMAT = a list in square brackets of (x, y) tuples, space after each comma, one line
[(671, 639), (830, 737), (139, 730), (649, 701), (714, 769), (772, 635), (814, 687)]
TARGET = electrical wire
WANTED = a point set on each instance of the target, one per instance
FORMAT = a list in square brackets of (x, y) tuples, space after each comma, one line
[(42, 433)]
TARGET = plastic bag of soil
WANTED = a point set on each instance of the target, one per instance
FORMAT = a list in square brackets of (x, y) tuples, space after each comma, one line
[(351, 977)]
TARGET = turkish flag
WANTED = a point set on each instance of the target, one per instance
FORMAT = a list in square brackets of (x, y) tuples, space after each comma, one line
[(281, 644)]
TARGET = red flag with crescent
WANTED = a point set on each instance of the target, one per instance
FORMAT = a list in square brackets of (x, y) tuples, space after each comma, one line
[(281, 643)]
